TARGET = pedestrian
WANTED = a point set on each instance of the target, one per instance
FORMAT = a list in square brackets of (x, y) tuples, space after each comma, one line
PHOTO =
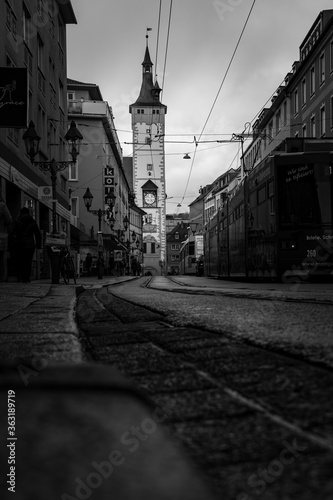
[(111, 266), (133, 266), (27, 238), (5, 224), (100, 266), (88, 263)]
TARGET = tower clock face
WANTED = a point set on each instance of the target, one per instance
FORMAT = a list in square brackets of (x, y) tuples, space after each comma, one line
[(150, 198)]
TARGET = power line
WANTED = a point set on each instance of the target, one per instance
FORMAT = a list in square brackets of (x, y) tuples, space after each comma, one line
[(158, 34), (219, 90), (166, 48), (227, 70)]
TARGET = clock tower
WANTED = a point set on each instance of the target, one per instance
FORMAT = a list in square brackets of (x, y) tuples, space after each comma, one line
[(148, 115)]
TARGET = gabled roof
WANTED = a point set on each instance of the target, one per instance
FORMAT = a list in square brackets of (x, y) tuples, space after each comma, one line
[(92, 88), (149, 185)]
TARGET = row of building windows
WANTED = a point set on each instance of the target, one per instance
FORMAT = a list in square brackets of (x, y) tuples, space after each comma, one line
[(141, 111), (311, 80), (301, 94), (318, 126)]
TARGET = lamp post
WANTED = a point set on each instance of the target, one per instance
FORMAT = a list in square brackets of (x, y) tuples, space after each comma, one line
[(193, 228), (109, 199), (126, 223), (32, 140), (88, 198)]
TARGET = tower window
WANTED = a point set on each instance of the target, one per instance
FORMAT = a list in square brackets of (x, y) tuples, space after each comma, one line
[(156, 111)]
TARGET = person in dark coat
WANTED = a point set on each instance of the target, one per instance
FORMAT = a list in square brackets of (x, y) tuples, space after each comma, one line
[(5, 224), (88, 263), (27, 239)]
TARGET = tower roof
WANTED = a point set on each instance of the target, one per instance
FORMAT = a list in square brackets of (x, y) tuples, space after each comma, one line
[(150, 91)]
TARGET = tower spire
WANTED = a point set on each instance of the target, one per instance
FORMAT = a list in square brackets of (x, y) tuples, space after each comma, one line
[(150, 90)]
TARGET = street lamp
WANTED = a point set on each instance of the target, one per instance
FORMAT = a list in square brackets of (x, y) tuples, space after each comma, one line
[(32, 140), (88, 198), (109, 199), (193, 227), (126, 222), (111, 220)]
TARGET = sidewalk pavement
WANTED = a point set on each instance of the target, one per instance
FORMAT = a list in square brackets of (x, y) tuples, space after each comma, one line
[(81, 430)]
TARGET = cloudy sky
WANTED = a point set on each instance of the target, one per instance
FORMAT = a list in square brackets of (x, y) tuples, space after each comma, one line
[(204, 101)]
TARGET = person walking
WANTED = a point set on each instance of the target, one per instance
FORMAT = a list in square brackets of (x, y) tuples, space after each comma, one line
[(5, 224), (27, 239), (88, 262)]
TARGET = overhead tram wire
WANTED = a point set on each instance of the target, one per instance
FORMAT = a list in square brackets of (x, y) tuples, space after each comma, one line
[(158, 34), (166, 47), (218, 93)]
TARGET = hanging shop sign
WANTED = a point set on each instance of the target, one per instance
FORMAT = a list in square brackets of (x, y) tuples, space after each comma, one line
[(108, 176), (13, 97), (118, 255), (45, 193), (55, 239)]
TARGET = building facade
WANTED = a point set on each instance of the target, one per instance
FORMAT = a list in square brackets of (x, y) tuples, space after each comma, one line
[(175, 240), (302, 105), (298, 120), (33, 40), (100, 168), (148, 126)]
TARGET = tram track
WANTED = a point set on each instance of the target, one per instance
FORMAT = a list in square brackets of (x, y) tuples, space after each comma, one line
[(265, 295), (148, 284), (216, 385), (160, 336)]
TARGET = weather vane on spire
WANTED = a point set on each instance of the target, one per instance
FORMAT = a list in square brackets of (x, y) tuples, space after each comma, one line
[(147, 36)]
